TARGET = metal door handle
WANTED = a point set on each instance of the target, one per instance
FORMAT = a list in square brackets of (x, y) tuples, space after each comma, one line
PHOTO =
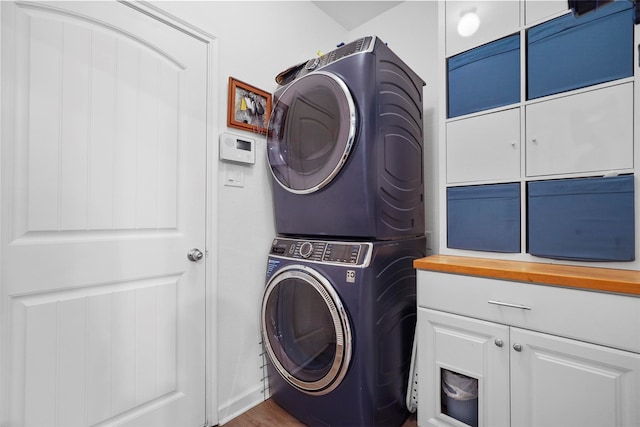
[(195, 255), (508, 304)]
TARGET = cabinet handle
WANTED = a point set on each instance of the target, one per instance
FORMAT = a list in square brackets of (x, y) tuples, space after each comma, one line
[(508, 304), (499, 342), (517, 347)]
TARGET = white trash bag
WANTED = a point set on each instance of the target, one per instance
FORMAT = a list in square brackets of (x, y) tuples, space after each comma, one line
[(458, 386)]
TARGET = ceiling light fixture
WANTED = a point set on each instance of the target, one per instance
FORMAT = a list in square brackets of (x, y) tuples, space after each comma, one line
[(468, 24)]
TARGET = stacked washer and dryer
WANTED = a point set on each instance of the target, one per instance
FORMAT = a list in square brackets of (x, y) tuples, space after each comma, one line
[(345, 148)]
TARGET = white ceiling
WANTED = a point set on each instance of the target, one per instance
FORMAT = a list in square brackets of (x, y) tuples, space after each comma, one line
[(351, 14)]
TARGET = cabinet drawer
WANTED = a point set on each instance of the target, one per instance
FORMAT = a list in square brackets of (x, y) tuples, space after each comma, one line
[(485, 77), (600, 318), (485, 147), (586, 219), (573, 52), (484, 217), (587, 132)]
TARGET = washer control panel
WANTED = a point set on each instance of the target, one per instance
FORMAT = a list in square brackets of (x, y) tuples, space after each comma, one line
[(350, 253)]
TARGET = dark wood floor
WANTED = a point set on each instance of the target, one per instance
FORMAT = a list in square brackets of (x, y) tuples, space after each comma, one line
[(269, 414)]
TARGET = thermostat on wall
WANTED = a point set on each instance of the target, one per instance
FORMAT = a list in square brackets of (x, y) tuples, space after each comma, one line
[(237, 148)]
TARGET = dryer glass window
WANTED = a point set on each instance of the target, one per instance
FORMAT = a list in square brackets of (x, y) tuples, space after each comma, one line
[(311, 132), (305, 332)]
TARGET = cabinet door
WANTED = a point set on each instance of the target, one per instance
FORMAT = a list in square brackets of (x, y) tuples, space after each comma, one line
[(536, 10), (466, 346), (587, 132), (484, 148), (561, 382), (496, 19)]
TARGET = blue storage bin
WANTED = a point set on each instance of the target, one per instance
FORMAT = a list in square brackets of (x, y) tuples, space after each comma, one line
[(585, 219), (484, 217), (571, 52), (485, 77)]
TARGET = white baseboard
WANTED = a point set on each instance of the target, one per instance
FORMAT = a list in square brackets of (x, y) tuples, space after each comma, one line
[(242, 404)]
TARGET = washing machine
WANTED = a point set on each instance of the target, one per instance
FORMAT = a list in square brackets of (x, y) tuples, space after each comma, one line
[(337, 321), (345, 146)]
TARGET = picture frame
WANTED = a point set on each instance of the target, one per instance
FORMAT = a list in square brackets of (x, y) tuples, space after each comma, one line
[(249, 108)]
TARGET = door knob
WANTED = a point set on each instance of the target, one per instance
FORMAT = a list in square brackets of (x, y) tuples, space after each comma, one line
[(195, 255)]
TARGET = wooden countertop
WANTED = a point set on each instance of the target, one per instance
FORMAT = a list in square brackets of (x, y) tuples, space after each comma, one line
[(593, 278)]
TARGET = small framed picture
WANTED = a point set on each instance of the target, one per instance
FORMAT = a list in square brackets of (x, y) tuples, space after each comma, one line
[(249, 107)]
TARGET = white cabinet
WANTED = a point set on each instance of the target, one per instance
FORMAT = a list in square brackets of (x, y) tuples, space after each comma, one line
[(586, 132), (485, 147), (561, 382), (536, 10), (538, 357), (495, 19), (466, 346)]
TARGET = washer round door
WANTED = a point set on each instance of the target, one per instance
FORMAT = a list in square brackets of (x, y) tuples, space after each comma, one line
[(311, 132), (305, 330)]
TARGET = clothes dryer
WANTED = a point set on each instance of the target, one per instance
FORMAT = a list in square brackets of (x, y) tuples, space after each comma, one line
[(337, 321), (345, 146)]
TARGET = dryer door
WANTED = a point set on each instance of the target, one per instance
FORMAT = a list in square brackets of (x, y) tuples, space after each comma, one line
[(311, 132), (305, 330)]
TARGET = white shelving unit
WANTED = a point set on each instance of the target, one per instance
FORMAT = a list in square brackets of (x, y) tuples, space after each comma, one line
[(586, 132)]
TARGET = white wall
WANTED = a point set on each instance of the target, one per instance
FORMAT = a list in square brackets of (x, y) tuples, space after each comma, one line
[(257, 40), (411, 31)]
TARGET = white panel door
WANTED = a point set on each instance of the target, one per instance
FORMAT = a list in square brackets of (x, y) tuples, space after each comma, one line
[(561, 382), (485, 147), (466, 346), (103, 194), (587, 132)]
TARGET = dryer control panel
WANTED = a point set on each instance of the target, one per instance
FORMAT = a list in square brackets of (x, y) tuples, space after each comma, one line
[(362, 45), (328, 252), (357, 46)]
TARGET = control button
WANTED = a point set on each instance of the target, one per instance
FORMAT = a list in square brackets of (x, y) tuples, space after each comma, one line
[(306, 249), (311, 64)]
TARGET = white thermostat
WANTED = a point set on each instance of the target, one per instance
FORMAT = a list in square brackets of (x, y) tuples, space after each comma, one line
[(237, 148)]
